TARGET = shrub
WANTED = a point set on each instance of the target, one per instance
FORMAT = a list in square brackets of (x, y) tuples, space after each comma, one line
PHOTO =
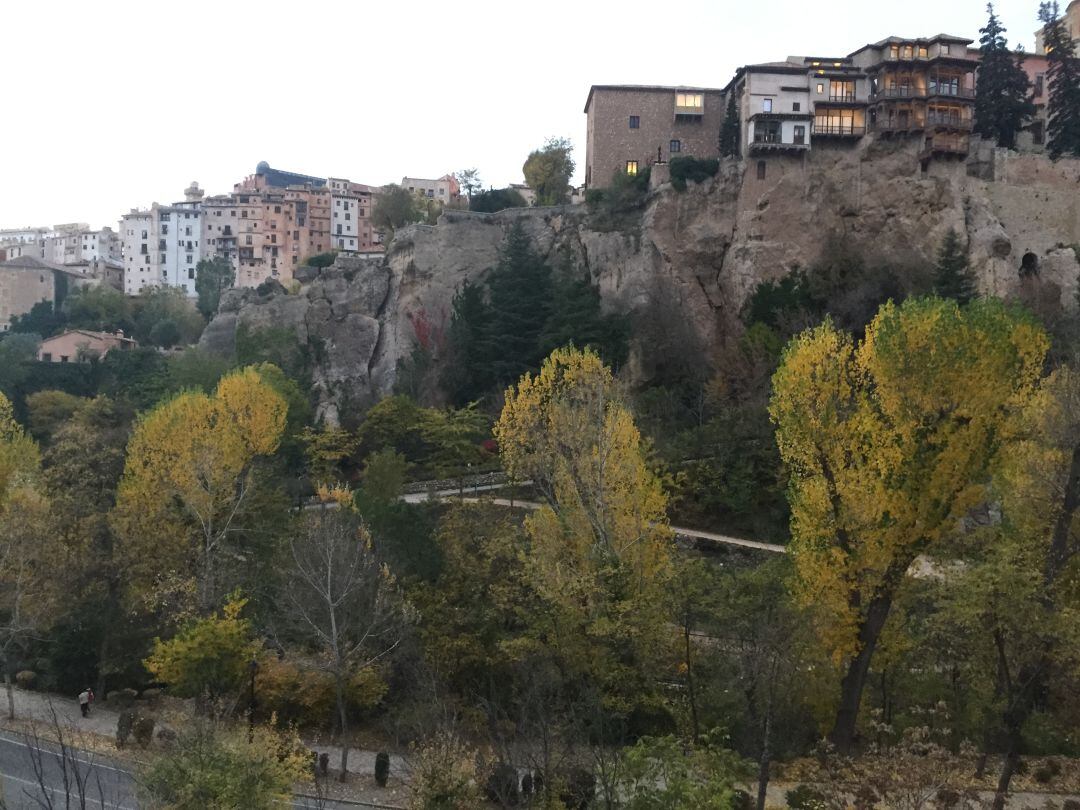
[(497, 200), (26, 679), (321, 259), (382, 768), (502, 785), (580, 789), (693, 169), (122, 698), (805, 798), (125, 723), (444, 775), (1047, 771), (143, 730)]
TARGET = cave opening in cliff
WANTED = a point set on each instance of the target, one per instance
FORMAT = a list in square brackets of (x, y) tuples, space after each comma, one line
[(1029, 265)]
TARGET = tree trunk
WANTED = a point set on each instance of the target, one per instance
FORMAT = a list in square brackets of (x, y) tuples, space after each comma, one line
[(690, 680), (766, 755), (10, 693), (851, 687), (1008, 768), (343, 724)]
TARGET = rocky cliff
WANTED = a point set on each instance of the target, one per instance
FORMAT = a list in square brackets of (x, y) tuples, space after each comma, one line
[(706, 248)]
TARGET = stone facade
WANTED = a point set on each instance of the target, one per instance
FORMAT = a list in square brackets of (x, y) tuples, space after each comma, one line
[(24, 281), (630, 127)]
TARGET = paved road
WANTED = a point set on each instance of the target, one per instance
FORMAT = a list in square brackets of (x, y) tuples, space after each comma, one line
[(694, 534)]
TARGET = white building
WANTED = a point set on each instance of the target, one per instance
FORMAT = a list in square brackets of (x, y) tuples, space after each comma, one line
[(162, 246), (350, 215), (24, 242)]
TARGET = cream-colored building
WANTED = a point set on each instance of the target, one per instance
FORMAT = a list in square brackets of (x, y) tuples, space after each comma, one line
[(82, 346), (444, 189), (24, 282)]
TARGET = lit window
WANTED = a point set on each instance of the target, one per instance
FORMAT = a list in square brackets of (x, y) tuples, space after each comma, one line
[(631, 167), (635, 122), (689, 100), (820, 88)]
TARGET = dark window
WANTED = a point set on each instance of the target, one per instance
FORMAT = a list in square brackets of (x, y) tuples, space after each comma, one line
[(1037, 136), (635, 122), (1039, 78), (761, 170), (795, 106), (800, 134), (675, 146)]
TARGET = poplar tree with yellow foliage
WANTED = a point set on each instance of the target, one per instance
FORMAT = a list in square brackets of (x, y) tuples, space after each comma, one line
[(888, 442), (189, 484), (600, 546)]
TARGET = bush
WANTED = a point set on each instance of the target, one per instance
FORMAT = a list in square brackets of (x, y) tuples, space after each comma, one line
[(320, 259), (444, 775), (125, 723), (1045, 772), (502, 785), (122, 698), (143, 730), (614, 207), (805, 798), (693, 169), (497, 199), (26, 679), (382, 768), (580, 789)]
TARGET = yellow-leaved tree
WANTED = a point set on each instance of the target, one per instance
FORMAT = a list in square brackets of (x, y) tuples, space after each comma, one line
[(189, 483), (600, 545), (888, 443)]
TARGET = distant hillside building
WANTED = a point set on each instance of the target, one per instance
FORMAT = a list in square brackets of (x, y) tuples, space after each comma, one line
[(162, 245), (24, 282), (81, 346), (1072, 25), (445, 189), (631, 126)]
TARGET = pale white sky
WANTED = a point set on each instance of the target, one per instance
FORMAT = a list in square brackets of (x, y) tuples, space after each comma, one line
[(114, 104)]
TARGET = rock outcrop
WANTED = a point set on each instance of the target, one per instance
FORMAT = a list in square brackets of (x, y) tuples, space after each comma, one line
[(706, 248)]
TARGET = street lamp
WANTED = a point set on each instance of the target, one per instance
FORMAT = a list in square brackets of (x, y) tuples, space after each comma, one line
[(253, 667)]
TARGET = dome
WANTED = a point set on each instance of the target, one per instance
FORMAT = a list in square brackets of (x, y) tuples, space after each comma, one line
[(262, 168)]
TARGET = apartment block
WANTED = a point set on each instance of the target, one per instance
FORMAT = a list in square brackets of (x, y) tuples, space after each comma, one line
[(632, 126), (162, 245), (445, 189), (74, 243)]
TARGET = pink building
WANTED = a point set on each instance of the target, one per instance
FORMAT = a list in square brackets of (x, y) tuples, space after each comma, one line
[(80, 346)]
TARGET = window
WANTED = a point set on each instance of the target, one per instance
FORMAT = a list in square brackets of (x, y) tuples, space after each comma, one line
[(761, 170), (766, 105), (800, 134), (820, 88), (631, 167), (1037, 136), (795, 106), (923, 52), (247, 239), (348, 216), (46, 356), (675, 146), (191, 271), (63, 358), (189, 258), (945, 47), (894, 51), (635, 122), (1039, 79)]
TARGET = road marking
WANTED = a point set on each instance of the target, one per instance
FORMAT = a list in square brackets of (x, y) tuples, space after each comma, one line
[(90, 762)]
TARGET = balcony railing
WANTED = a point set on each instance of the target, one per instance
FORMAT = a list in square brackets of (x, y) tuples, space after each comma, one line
[(689, 110), (922, 92), (842, 98), (937, 119), (843, 130)]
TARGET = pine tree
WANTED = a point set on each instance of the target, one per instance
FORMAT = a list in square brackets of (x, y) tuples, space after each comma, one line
[(953, 277), (466, 373), (729, 130), (577, 318), (1003, 91), (519, 292), (1063, 78)]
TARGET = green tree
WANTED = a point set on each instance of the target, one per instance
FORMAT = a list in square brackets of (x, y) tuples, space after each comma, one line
[(677, 775), (952, 276), (43, 319), (888, 444), (395, 207), (17, 351), (548, 171), (209, 658), (519, 295), (160, 305), (729, 130), (101, 309), (1003, 92), (48, 410), (212, 278), (465, 374), (215, 768), (469, 181), (496, 199), (577, 317), (1063, 79)]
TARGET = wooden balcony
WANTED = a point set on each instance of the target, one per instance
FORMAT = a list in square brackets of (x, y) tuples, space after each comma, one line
[(764, 144), (838, 131)]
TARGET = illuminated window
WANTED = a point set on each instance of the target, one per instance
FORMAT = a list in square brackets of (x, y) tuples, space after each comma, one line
[(820, 88), (894, 51), (631, 167), (689, 100), (923, 53)]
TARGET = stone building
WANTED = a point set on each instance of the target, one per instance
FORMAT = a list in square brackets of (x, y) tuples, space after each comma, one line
[(631, 126), (24, 282), (445, 189)]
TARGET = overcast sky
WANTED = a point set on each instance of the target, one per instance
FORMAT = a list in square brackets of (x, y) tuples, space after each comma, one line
[(111, 105)]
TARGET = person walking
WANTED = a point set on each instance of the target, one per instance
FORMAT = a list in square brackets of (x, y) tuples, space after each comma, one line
[(84, 702)]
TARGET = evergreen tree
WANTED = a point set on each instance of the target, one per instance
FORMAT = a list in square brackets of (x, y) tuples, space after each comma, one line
[(466, 373), (576, 318), (519, 293), (729, 131), (953, 277), (1003, 91), (1063, 77)]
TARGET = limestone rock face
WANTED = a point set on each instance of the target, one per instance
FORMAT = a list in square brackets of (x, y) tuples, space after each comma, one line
[(705, 248)]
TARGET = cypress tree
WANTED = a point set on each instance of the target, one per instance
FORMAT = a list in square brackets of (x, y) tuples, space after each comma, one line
[(1063, 78), (953, 277), (729, 130), (466, 374), (576, 318), (519, 293), (1003, 92)]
